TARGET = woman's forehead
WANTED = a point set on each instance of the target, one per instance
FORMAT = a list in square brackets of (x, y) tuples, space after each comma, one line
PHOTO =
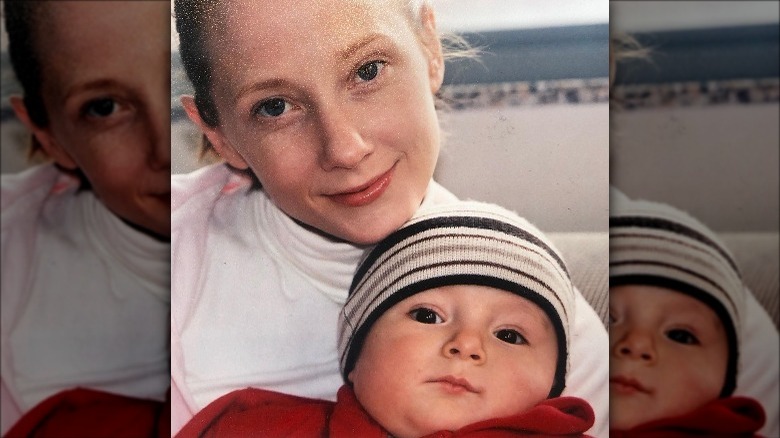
[(318, 22), (84, 40), (257, 42)]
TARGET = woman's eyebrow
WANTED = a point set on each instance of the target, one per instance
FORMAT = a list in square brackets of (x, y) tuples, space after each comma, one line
[(350, 50), (98, 84), (257, 86)]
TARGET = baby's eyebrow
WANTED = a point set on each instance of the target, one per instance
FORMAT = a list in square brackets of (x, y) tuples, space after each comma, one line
[(525, 315), (694, 317)]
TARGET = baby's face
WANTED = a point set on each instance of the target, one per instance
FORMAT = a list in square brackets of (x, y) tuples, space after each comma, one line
[(452, 356), (668, 354)]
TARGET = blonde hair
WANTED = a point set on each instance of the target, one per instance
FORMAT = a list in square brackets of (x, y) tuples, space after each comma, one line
[(622, 47)]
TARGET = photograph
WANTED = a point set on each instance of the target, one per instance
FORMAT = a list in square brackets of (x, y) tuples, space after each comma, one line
[(309, 139)]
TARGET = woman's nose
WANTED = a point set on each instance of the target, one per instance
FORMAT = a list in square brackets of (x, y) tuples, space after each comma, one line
[(635, 344), (343, 145), (467, 345)]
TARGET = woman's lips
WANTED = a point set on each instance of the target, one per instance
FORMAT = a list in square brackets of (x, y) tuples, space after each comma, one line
[(366, 193), (627, 386)]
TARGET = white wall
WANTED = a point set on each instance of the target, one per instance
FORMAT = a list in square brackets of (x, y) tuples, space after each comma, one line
[(549, 163), (641, 16), (718, 162)]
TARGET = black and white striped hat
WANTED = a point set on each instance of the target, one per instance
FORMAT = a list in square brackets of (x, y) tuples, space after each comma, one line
[(455, 244), (659, 245)]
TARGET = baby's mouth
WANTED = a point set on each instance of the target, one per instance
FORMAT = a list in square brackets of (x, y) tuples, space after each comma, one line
[(455, 385), (627, 385)]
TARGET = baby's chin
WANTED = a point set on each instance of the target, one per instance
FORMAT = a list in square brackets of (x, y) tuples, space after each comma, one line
[(428, 425), (622, 419)]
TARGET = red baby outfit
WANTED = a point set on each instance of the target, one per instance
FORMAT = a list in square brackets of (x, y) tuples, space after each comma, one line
[(257, 412), (88, 413), (725, 417)]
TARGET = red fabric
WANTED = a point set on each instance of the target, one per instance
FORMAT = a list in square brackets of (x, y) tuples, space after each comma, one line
[(725, 417), (88, 413), (256, 412)]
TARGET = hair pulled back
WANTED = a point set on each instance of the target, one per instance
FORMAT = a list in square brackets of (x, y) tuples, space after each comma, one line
[(21, 20)]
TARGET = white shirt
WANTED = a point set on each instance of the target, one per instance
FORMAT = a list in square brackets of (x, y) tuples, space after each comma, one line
[(85, 297)]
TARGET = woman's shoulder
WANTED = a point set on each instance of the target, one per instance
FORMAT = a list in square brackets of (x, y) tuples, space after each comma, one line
[(202, 197), (205, 186), (24, 194), (17, 186)]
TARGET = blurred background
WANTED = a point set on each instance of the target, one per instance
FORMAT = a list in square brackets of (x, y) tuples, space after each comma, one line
[(700, 122), (697, 124)]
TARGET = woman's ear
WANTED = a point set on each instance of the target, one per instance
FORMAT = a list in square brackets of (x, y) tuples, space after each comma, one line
[(433, 50), (43, 136), (214, 135)]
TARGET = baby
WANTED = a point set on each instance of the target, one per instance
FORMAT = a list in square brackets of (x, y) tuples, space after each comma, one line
[(457, 323), (676, 308)]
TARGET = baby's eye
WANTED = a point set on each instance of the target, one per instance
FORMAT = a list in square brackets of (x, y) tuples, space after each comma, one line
[(425, 316), (511, 336), (271, 108), (369, 71), (100, 108), (682, 336)]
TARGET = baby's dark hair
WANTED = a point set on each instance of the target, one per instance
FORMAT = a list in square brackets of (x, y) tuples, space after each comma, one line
[(21, 19)]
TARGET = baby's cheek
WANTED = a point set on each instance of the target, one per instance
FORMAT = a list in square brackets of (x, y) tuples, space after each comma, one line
[(697, 373)]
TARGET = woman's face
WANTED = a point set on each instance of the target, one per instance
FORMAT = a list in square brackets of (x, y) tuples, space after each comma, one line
[(106, 88), (330, 103)]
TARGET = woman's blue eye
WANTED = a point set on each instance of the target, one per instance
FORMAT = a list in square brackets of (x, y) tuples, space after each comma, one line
[(100, 107), (682, 336), (511, 336), (425, 316), (271, 108), (370, 70)]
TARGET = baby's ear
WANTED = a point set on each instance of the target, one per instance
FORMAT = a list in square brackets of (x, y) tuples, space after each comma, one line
[(349, 376), (43, 135), (214, 135)]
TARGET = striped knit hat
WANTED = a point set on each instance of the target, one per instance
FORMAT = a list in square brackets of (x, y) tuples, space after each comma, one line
[(656, 244), (465, 243)]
